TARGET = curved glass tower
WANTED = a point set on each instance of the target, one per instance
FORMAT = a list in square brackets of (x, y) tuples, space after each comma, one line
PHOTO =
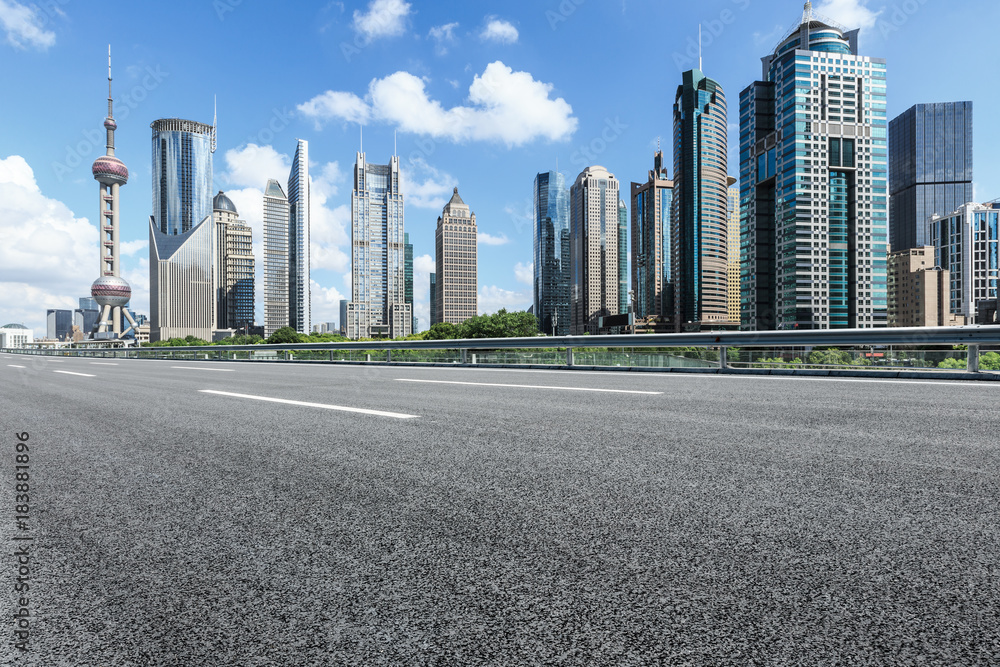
[(551, 253), (182, 174)]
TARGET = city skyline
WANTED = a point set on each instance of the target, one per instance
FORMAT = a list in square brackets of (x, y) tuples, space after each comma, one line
[(158, 81)]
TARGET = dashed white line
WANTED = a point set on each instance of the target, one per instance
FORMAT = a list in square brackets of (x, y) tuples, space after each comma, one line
[(103, 363), (86, 375), (202, 368), (342, 408), (532, 386), (15, 366)]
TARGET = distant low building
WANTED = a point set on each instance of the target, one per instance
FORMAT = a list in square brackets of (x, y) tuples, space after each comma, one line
[(15, 336), (918, 290), (58, 324)]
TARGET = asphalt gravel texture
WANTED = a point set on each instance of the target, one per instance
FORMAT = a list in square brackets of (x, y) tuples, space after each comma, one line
[(723, 521)]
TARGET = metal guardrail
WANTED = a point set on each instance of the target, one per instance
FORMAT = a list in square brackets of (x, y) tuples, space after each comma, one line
[(721, 342)]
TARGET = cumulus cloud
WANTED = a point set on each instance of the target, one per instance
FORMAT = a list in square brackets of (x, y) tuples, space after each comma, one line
[(49, 256), (24, 26), (129, 248), (425, 186), (483, 238), (443, 36), (505, 106), (423, 267), (849, 13), (525, 273), (326, 303), (498, 30), (493, 298), (384, 18)]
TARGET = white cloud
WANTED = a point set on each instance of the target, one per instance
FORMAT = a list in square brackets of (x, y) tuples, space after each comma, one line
[(384, 18), (769, 39), (493, 298), (525, 273), (483, 238), (498, 30), (326, 303), (24, 26), (506, 106), (250, 166), (129, 248), (423, 267), (443, 36), (424, 186), (49, 256), (849, 13)]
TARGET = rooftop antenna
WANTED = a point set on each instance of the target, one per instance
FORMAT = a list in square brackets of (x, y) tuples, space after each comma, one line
[(215, 118), (361, 140), (807, 12), (394, 142), (699, 47)]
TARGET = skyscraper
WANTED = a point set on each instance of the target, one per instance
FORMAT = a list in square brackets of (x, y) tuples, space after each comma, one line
[(456, 259), (930, 168), (378, 287), (299, 286), (343, 317), (408, 276), (733, 250), (965, 243), (58, 324), (698, 217), (181, 236), (276, 259), (594, 223), (551, 248), (433, 299), (623, 303), (234, 267), (110, 290), (813, 185), (652, 277)]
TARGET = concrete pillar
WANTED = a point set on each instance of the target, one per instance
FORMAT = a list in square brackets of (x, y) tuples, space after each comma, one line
[(723, 358), (973, 359), (569, 356)]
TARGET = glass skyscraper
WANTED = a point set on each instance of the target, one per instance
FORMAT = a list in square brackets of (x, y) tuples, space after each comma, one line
[(623, 303), (276, 258), (698, 234), (652, 278), (813, 185), (378, 305), (408, 277), (965, 243), (733, 250), (930, 168), (182, 174), (299, 287), (551, 253)]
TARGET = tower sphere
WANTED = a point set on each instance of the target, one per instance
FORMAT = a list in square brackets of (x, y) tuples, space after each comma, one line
[(111, 291), (108, 170), (110, 124)]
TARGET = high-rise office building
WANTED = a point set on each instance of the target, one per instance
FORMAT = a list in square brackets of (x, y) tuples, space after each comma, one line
[(181, 235), (378, 305), (551, 247), (59, 324), (813, 185), (965, 243), (433, 299), (918, 290), (299, 286), (623, 302), (733, 251), (456, 262), (652, 277), (234, 267), (930, 168), (343, 317), (594, 223), (276, 259), (698, 218), (408, 276)]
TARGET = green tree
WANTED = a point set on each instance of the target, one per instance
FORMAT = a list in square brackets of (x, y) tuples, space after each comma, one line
[(501, 324), (244, 339), (953, 363), (287, 335), (989, 361), (441, 331), (830, 357)]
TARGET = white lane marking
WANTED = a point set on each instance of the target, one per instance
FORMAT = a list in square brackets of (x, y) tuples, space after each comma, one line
[(202, 368), (103, 363), (531, 386), (377, 413), (57, 361), (86, 375), (15, 366)]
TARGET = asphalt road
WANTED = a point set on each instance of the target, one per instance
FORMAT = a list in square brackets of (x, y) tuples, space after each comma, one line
[(477, 517)]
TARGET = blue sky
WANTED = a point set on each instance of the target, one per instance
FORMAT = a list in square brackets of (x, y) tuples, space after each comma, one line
[(481, 96)]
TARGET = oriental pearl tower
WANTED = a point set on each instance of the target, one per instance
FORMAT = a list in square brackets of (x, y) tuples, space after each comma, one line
[(110, 290)]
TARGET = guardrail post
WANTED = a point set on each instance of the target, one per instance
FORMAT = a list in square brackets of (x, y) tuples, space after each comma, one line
[(368, 357), (569, 356), (973, 364), (473, 358), (723, 358), (388, 356), (465, 356), (331, 355)]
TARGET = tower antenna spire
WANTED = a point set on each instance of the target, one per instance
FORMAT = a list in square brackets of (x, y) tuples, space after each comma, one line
[(361, 138), (215, 118), (699, 47), (807, 12), (110, 115)]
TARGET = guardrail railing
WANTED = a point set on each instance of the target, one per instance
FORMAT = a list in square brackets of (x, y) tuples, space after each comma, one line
[(899, 349)]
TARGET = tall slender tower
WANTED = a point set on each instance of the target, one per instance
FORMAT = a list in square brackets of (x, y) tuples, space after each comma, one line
[(594, 223), (551, 253), (299, 286), (652, 274), (110, 290), (457, 262)]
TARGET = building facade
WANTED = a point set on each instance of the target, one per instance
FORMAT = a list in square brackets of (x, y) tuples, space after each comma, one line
[(181, 234), (652, 277), (918, 290), (276, 259), (623, 300), (456, 262), (813, 162), (408, 277), (15, 336), (234, 267), (930, 168), (551, 249), (59, 324), (378, 305), (594, 223), (698, 217), (299, 285), (433, 299), (965, 243), (733, 251)]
